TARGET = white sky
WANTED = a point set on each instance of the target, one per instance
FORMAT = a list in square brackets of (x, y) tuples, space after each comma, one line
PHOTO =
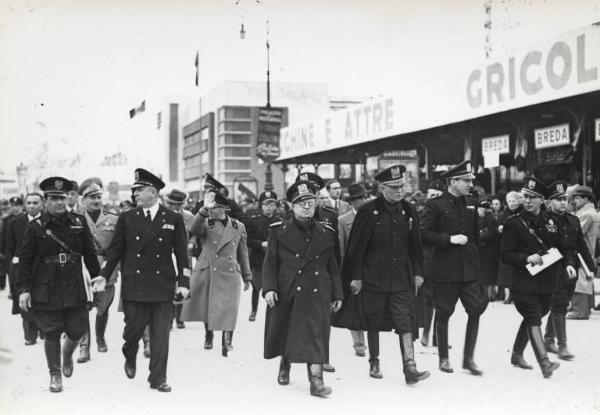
[(71, 70)]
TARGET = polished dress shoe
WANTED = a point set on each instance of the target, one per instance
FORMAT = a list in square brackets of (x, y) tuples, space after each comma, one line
[(469, 364), (550, 346), (328, 368), (101, 345), (180, 325), (29, 342), (445, 365), (163, 387), (56, 383), (374, 370), (129, 370), (252, 316), (518, 361)]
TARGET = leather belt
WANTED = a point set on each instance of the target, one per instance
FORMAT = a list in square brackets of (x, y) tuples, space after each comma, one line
[(62, 258)]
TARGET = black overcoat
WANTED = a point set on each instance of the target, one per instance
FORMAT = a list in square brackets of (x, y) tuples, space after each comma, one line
[(15, 233)]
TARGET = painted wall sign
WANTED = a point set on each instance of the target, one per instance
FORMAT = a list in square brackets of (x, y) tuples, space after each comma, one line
[(557, 135), (498, 144)]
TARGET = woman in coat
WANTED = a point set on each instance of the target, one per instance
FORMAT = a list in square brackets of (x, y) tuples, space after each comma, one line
[(222, 266), (301, 285)]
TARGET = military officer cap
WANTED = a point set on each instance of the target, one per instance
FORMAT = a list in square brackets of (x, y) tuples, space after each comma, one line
[(392, 176), (75, 185), (534, 187), (302, 190), (267, 196), (356, 191), (220, 200), (437, 184), (145, 178), (210, 180), (484, 204), (557, 189), (584, 191), (176, 197), (15, 201), (311, 177), (91, 187), (56, 186), (462, 171)]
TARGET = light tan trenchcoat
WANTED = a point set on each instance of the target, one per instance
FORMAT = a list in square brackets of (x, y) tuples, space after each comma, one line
[(216, 281)]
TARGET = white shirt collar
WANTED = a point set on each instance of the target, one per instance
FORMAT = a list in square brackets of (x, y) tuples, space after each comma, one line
[(32, 218), (153, 209)]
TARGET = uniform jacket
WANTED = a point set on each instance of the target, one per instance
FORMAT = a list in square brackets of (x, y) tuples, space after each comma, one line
[(443, 217), (54, 286), (102, 233), (518, 243), (145, 252), (489, 240), (301, 266), (589, 219), (15, 233), (258, 227), (217, 277)]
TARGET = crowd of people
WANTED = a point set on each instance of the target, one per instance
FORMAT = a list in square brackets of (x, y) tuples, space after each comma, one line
[(321, 256)]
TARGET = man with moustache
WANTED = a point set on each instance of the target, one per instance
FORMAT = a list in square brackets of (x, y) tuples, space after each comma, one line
[(526, 237), (50, 279), (450, 226), (15, 233)]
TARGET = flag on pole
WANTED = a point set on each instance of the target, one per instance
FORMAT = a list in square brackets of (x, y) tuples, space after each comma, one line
[(197, 65), (135, 111), (520, 149)]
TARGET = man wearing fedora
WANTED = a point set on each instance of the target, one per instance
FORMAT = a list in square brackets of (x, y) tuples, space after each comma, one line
[(526, 237), (382, 269), (450, 226), (144, 241), (102, 226), (50, 278)]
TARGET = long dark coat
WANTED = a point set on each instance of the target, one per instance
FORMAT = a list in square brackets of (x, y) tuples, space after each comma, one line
[(305, 274), (258, 227), (145, 252), (14, 235), (490, 248), (55, 286), (443, 217), (360, 264)]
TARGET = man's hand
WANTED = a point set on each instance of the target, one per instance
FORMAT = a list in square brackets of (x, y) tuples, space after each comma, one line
[(355, 286), (209, 200), (98, 284), (571, 272), (418, 283), (336, 305), (246, 285), (25, 301), (271, 298), (185, 292), (264, 245), (535, 259), (191, 248), (459, 239)]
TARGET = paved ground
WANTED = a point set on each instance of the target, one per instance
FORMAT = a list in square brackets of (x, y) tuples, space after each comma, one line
[(246, 383)]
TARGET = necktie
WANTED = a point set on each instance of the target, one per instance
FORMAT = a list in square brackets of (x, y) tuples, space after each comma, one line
[(148, 217)]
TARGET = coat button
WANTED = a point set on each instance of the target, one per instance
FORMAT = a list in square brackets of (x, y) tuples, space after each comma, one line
[(317, 257), (307, 240), (316, 272), (158, 255), (137, 238), (297, 255), (215, 242), (138, 255), (230, 257), (214, 269), (315, 290), (137, 271), (159, 239), (158, 272), (299, 271), (298, 289), (230, 269)]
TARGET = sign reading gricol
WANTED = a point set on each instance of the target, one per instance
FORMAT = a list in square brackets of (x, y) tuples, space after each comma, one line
[(498, 144), (557, 135)]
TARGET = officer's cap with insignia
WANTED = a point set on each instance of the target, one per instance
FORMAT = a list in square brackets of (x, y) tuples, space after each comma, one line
[(485, 203), (534, 187), (15, 201), (392, 176), (220, 200), (437, 184), (56, 186), (267, 196), (463, 170), (210, 181), (311, 177), (144, 178), (176, 197), (302, 190), (91, 187), (75, 185), (557, 189)]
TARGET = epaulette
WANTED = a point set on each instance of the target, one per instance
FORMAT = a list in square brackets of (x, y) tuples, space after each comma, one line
[(274, 224), (327, 226), (235, 223)]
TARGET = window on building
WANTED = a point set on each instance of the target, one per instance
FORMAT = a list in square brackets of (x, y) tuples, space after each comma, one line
[(235, 164), (235, 126), (237, 112), (235, 139), (235, 151)]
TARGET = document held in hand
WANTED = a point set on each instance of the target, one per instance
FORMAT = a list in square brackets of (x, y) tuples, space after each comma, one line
[(551, 257)]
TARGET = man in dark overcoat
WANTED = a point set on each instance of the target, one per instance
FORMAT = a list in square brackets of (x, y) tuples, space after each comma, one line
[(383, 265), (258, 227), (301, 285), (145, 239), (527, 236), (450, 226), (50, 278)]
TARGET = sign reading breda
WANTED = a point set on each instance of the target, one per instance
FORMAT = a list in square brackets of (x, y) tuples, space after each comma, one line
[(554, 136)]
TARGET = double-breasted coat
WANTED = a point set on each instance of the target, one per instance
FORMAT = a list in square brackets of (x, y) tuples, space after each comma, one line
[(54, 285), (15, 233), (217, 276), (258, 227), (145, 252), (490, 248), (301, 266)]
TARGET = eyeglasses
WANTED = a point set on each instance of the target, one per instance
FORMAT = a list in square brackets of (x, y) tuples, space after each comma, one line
[(306, 204)]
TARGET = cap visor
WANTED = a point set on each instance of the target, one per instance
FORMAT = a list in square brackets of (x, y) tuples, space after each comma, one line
[(532, 193)]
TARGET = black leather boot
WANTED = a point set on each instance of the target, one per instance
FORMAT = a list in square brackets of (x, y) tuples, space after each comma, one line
[(208, 337), (29, 333), (315, 377), (68, 348), (52, 350), (411, 374), (101, 322), (441, 329), (469, 351), (84, 348), (550, 335), (535, 336), (560, 327), (283, 377), (521, 341), (374, 369), (427, 317), (226, 343)]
